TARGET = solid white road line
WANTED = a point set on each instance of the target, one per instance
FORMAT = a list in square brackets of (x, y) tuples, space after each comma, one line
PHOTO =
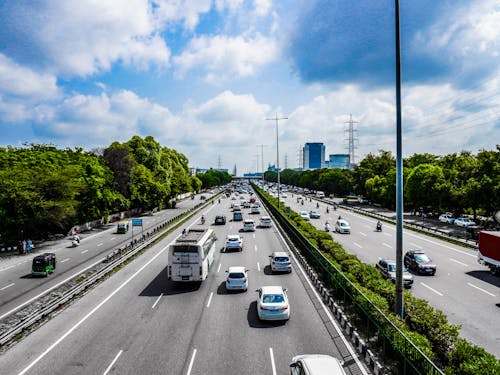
[(89, 314), (358, 245), (387, 245), (218, 268), (7, 286), (113, 362), (99, 244), (157, 300), (363, 234), (432, 289), (456, 261), (325, 309), (482, 290), (258, 266), (65, 260), (191, 363), (210, 299), (272, 360), (84, 251), (417, 246)]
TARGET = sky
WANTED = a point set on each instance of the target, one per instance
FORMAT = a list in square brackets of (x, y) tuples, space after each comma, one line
[(205, 77)]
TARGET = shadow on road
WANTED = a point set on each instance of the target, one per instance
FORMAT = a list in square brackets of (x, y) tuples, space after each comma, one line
[(485, 276), (160, 285)]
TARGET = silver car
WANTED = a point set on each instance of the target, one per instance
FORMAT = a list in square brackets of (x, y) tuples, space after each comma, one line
[(272, 303), (237, 278), (279, 261), (388, 270)]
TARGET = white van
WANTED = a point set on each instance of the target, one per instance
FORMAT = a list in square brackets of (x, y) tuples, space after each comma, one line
[(320, 194)]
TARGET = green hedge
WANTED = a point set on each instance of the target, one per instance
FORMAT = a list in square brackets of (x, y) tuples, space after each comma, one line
[(427, 327)]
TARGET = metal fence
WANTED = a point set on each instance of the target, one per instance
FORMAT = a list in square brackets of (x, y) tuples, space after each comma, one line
[(380, 332)]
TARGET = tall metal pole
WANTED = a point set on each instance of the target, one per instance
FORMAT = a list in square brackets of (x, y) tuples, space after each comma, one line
[(399, 303), (262, 158), (278, 153)]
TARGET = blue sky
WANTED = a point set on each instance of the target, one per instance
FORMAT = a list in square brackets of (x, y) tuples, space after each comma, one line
[(202, 76)]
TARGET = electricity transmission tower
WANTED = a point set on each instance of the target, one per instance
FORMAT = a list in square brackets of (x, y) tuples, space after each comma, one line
[(351, 139)]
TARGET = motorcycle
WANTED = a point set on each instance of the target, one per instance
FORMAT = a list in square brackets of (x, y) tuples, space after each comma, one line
[(75, 243), (202, 220), (327, 227), (379, 227)]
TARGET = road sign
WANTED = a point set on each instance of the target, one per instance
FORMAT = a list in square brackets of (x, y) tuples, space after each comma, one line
[(137, 222)]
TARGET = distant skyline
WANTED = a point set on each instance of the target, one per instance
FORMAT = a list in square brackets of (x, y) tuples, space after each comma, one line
[(202, 76)]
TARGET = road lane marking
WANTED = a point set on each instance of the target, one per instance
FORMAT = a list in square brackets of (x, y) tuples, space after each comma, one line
[(456, 261), (272, 360), (99, 244), (358, 245), (218, 268), (6, 268), (7, 286), (210, 299), (255, 247), (434, 290), (157, 300), (230, 227), (387, 245), (84, 251), (258, 266), (387, 234), (90, 313), (482, 290), (417, 246), (191, 362), (254, 235), (113, 238), (65, 260), (363, 234), (113, 362), (367, 226)]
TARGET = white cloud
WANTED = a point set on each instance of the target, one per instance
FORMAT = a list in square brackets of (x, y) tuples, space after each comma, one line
[(186, 11), (225, 57)]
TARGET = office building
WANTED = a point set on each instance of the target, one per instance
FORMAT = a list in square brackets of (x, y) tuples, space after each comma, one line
[(341, 161), (314, 155)]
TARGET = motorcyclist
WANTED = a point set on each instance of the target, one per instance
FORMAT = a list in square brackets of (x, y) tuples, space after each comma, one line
[(340, 217), (203, 219), (317, 205), (379, 225), (327, 226), (327, 210), (76, 238)]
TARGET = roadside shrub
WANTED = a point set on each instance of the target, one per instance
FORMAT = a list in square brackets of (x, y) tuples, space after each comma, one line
[(468, 359)]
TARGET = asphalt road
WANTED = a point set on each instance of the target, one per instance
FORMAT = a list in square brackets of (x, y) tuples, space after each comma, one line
[(463, 289), (137, 322), (17, 286)]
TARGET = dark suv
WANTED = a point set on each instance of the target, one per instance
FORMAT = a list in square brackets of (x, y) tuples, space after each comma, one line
[(418, 261), (220, 220)]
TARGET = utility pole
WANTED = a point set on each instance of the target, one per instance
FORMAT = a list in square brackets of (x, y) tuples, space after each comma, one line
[(351, 139), (219, 163), (399, 303), (286, 161), (262, 158), (278, 152), (257, 163)]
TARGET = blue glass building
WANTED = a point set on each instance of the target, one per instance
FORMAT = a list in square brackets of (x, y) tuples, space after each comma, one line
[(314, 155)]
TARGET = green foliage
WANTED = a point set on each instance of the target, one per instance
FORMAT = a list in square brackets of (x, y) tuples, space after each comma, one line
[(213, 178), (468, 359)]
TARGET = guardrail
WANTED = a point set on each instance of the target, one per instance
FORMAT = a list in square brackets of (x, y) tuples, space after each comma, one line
[(29, 315), (378, 330)]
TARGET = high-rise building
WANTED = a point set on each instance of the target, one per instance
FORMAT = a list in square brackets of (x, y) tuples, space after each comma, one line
[(314, 155), (341, 161)]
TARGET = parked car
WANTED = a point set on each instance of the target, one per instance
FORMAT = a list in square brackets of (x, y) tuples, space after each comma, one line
[(305, 215), (237, 278), (342, 226), (233, 242), (464, 222), (314, 214), (388, 270), (419, 262), (279, 261), (447, 218), (272, 303), (220, 220), (248, 225), (316, 364)]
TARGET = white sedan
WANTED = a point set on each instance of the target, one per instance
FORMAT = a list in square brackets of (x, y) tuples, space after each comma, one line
[(237, 278), (234, 242), (272, 303), (305, 215), (464, 222)]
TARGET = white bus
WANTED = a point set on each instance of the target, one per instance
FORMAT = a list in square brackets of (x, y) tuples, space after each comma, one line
[(191, 255)]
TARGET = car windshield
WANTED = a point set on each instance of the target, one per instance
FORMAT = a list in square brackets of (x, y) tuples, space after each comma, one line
[(273, 298), (233, 239), (281, 259), (422, 258), (343, 224), (236, 275), (391, 267)]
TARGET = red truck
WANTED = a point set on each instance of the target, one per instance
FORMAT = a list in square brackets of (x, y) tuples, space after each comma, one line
[(489, 251)]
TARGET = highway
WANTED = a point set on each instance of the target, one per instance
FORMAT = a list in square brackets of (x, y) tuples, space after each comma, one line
[(463, 289), (17, 286), (137, 322)]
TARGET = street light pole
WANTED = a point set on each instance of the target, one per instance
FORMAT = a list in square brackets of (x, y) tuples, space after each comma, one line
[(278, 153)]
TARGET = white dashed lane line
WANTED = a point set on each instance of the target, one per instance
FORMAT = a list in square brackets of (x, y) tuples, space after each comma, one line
[(458, 262), (113, 362), (482, 290), (113, 238), (7, 286), (157, 300), (358, 245), (273, 366), (258, 266), (218, 268), (363, 234), (65, 260), (432, 289), (99, 244), (387, 245), (210, 299), (255, 247), (84, 251)]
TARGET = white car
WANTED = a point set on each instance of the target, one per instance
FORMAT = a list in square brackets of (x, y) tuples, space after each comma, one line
[(447, 218), (279, 261), (305, 215), (284, 195), (237, 278), (255, 209), (248, 225), (272, 303), (316, 364), (342, 226), (464, 222), (234, 242), (265, 222)]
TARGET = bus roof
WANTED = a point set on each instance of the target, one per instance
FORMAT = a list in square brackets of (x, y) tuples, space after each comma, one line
[(193, 235)]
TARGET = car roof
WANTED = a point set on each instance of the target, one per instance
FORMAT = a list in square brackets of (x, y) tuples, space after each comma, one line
[(265, 218), (247, 221), (279, 254), (342, 221), (416, 251), (272, 289), (320, 364), (236, 269), (233, 236)]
